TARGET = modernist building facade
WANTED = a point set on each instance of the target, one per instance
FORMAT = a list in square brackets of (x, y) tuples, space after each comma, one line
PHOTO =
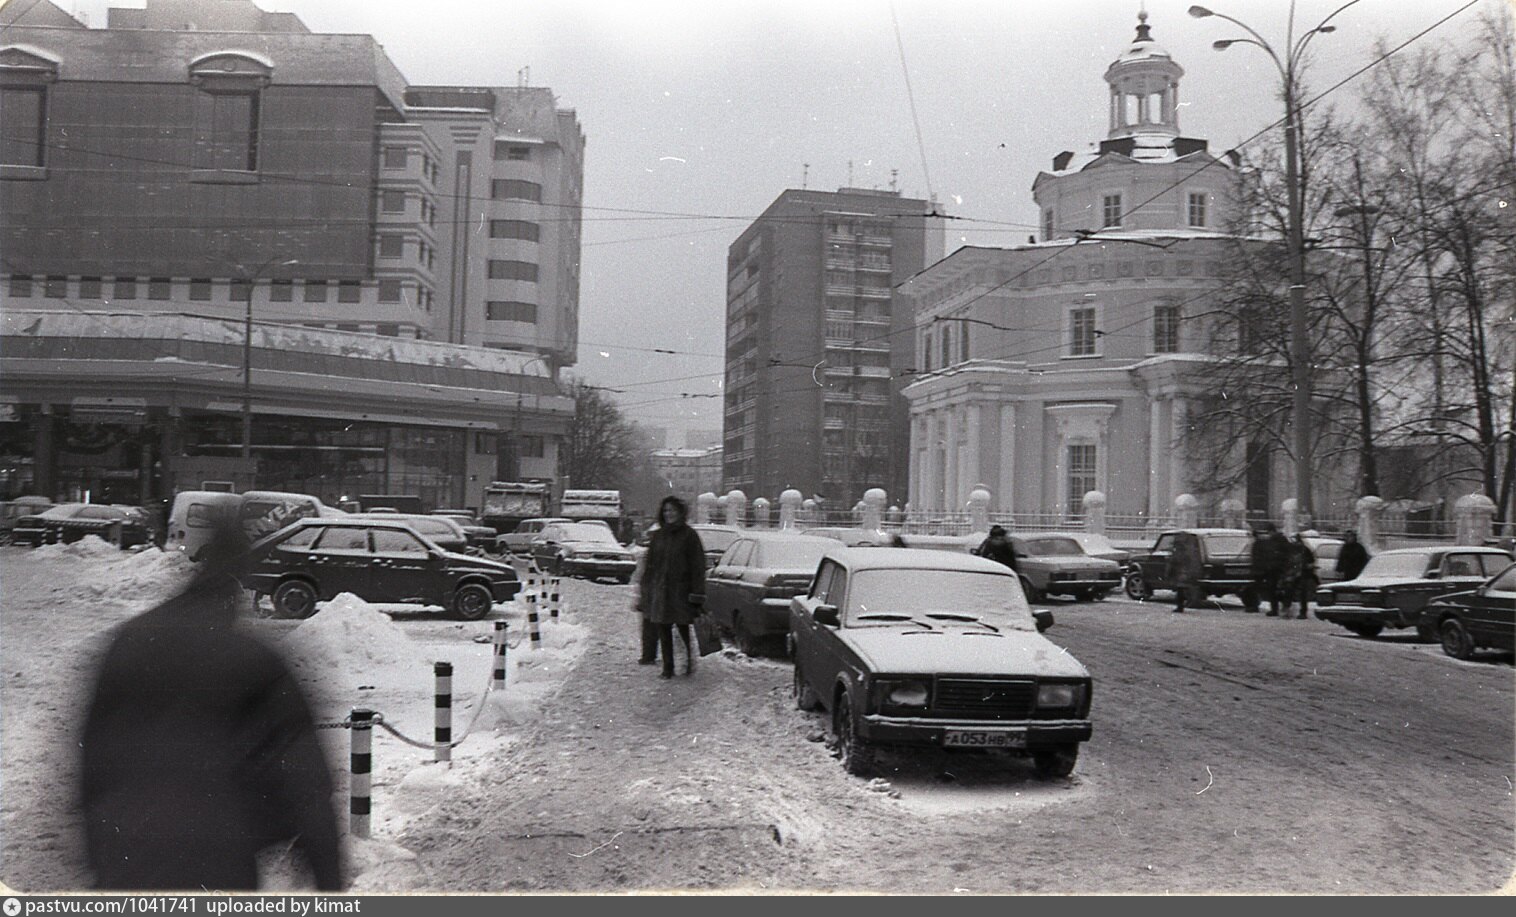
[(818, 345), (213, 160), (1066, 365)]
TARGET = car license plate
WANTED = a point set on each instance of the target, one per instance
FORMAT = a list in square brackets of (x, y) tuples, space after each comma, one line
[(954, 738)]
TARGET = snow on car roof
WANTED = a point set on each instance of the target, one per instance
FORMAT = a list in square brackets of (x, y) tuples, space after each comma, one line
[(1437, 548), (914, 559)]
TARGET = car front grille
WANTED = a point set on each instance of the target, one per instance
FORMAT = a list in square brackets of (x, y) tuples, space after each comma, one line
[(985, 698)]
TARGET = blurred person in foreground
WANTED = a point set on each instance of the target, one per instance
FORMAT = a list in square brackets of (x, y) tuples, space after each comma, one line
[(199, 749)]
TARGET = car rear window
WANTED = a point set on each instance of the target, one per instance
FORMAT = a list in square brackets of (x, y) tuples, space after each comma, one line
[(716, 539), (1057, 547), (581, 531), (345, 539), (789, 554), (1227, 544)]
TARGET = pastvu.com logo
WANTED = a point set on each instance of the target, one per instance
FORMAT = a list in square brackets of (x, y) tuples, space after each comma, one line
[(12, 907)]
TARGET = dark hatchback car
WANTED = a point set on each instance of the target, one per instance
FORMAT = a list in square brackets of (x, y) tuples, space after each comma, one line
[(315, 560), (1227, 565), (1466, 621), (1396, 586), (748, 592), (124, 526)]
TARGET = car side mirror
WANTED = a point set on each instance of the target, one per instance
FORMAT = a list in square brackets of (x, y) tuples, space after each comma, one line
[(827, 615), (1434, 574), (1044, 619)]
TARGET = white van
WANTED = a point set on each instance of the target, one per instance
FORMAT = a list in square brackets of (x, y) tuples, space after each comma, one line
[(265, 512), (195, 515)]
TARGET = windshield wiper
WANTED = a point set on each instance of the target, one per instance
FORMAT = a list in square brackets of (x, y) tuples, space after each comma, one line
[(967, 619), (904, 619)]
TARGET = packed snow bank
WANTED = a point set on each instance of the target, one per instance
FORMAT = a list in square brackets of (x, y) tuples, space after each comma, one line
[(102, 572)]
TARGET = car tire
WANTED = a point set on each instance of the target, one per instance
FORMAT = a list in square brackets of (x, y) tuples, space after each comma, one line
[(1084, 595), (1366, 630), (1033, 594), (1056, 763), (747, 641), (295, 599), (1136, 587), (857, 755), (1456, 641), (624, 579), (472, 601), (1426, 632), (804, 695)]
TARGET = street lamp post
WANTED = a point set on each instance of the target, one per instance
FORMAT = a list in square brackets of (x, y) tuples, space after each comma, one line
[(1300, 348), (251, 280)]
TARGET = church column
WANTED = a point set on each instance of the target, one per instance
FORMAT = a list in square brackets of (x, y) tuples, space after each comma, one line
[(1178, 418), (950, 460), (1005, 493), (973, 466), (1159, 498)]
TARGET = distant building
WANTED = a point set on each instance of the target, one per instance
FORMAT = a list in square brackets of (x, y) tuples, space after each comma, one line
[(701, 439), (818, 347), (218, 162), (689, 472)]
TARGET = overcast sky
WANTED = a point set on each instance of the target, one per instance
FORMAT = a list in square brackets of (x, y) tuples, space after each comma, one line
[(698, 113)]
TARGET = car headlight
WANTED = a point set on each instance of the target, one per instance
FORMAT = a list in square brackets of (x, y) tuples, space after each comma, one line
[(905, 693), (1059, 695)]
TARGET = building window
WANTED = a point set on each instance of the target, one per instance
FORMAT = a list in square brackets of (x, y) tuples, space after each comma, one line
[(226, 130), (926, 351), (393, 201), (125, 288), (56, 288), (281, 291), (513, 270), (349, 291), (1047, 224), (1081, 472), (21, 286), (200, 289), (1197, 208), (517, 152), (89, 287), (160, 288), (315, 291), (387, 329), (391, 245), (396, 157), (512, 189), (23, 125), (1111, 210), (389, 291), (514, 229), (1082, 332), (508, 311), (530, 446), (1166, 329)]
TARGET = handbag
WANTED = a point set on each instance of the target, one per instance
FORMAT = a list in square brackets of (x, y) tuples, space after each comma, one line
[(707, 635)]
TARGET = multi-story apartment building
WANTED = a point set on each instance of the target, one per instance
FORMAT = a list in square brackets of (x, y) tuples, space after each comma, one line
[(689, 472), (1067, 365), (211, 160), (817, 349)]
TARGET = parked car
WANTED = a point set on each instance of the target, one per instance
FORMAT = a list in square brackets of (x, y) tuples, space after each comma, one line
[(1326, 551), (928, 648), (380, 560), (852, 537), (1100, 546), (1055, 564), (12, 510), (1226, 555), (581, 549), (123, 526), (748, 592), (480, 537), (715, 539), (1397, 585), (520, 540), (194, 517), (1466, 621), (446, 533)]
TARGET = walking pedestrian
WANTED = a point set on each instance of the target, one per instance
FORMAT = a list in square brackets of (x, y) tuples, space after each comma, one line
[(198, 749), (1299, 580), (1183, 570), (1270, 552), (671, 592), (998, 547), (1353, 557)]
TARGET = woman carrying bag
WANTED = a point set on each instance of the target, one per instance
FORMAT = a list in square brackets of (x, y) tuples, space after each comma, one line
[(672, 589)]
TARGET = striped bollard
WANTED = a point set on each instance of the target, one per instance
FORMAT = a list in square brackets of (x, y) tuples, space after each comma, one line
[(554, 603), (533, 628), (362, 766), (443, 737), (498, 683)]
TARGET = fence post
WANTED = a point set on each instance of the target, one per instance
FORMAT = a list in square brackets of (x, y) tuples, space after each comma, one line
[(874, 500), (532, 625), (761, 513), (1094, 512), (361, 765), (554, 603), (1187, 509), (736, 508), (1234, 514), (979, 509), (443, 732), (498, 682), (1289, 515), (808, 512), (705, 506), (1473, 513), (1369, 509), (789, 508)]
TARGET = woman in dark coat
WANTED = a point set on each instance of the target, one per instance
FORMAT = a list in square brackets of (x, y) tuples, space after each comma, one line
[(1183, 570), (672, 589)]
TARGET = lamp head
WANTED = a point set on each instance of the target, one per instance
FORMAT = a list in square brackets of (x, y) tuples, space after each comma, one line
[(1222, 44), (1326, 28), (1200, 12)]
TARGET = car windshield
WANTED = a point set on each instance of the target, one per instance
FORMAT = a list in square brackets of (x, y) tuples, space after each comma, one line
[(1396, 565), (789, 555), (1227, 544), (1059, 547), (582, 531), (431, 527), (716, 539), (886, 597)]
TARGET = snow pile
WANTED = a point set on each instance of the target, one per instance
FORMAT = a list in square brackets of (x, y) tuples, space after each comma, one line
[(350, 646), (101, 572)]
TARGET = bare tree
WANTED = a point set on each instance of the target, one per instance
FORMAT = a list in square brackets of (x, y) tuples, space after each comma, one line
[(603, 447)]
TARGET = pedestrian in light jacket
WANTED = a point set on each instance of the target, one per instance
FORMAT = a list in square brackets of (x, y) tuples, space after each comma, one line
[(671, 592)]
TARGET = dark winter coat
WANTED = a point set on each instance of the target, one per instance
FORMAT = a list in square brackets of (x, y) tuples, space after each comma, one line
[(1299, 574), (1270, 554), (672, 589), (998, 548), (1185, 565), (1352, 559), (198, 751)]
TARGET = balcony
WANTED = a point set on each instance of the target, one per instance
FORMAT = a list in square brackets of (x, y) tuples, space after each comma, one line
[(871, 239), (874, 292), (840, 289)]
